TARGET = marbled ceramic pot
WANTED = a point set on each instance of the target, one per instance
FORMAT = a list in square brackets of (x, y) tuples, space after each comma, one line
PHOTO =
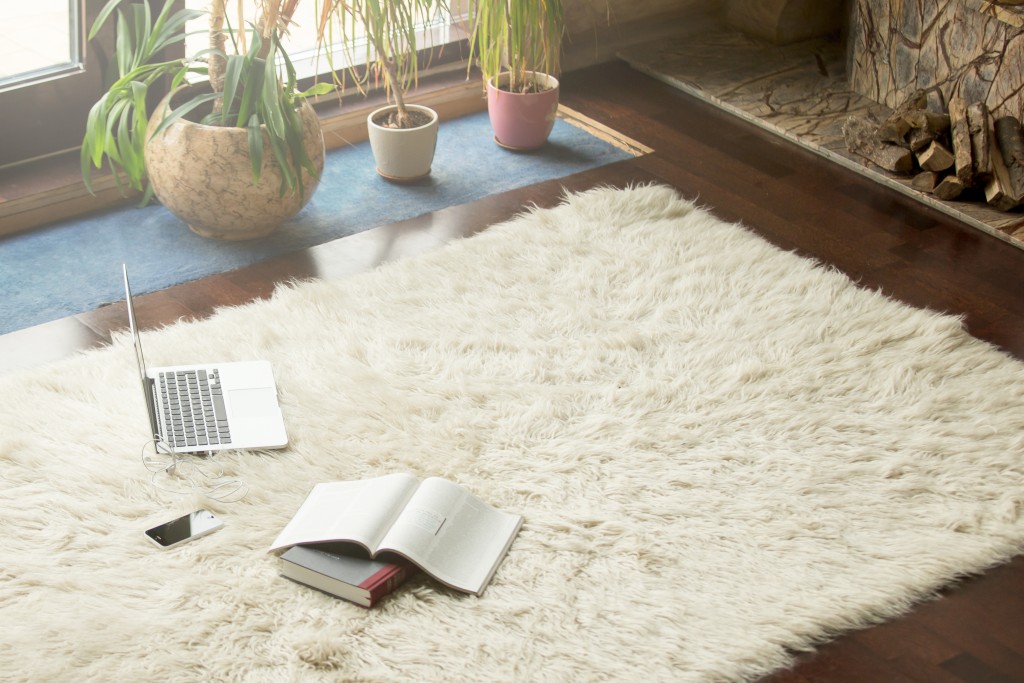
[(203, 175), (522, 121)]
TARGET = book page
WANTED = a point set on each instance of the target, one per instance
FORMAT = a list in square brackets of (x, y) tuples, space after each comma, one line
[(360, 511), (453, 535)]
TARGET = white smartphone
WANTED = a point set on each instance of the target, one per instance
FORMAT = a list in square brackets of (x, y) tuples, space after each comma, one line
[(184, 528)]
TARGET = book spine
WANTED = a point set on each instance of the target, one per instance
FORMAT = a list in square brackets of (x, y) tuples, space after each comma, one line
[(387, 584)]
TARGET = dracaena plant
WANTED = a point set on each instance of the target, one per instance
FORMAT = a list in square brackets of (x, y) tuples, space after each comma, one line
[(389, 29), (249, 89), (518, 36)]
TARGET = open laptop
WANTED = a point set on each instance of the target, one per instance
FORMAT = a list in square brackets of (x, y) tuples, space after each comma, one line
[(209, 407)]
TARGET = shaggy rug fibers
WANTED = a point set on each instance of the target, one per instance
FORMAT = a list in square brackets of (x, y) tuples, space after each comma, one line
[(724, 453)]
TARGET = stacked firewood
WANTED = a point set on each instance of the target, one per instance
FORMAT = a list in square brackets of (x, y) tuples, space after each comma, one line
[(946, 153)]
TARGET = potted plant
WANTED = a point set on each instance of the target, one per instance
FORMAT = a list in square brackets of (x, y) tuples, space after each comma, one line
[(402, 136), (234, 159), (517, 44)]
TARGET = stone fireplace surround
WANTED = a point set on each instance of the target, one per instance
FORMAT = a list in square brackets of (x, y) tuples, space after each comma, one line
[(886, 49)]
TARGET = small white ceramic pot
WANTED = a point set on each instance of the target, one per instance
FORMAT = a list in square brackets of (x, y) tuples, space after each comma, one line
[(403, 154)]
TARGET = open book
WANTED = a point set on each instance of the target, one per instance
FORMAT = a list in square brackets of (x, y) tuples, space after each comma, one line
[(437, 525)]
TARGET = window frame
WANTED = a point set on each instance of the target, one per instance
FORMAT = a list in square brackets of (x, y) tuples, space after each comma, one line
[(44, 115)]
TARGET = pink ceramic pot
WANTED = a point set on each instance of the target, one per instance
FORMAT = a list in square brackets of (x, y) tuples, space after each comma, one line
[(522, 121)]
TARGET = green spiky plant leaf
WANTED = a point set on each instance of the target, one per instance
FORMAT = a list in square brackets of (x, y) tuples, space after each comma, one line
[(390, 28), (518, 36), (255, 97)]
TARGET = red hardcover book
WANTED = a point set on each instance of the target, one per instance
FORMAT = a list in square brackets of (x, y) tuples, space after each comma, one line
[(357, 579)]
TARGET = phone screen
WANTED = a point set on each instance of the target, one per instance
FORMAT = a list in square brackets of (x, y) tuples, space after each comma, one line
[(184, 528)]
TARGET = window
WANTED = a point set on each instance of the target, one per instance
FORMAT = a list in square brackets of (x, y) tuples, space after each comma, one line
[(50, 75), (38, 41), (48, 78), (301, 43)]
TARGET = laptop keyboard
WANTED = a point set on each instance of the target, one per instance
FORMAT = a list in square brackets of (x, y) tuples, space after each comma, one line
[(193, 408)]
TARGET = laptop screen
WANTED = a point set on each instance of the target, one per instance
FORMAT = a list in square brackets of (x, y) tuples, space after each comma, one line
[(147, 384)]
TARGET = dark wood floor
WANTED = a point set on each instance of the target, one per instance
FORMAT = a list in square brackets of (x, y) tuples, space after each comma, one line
[(798, 201)]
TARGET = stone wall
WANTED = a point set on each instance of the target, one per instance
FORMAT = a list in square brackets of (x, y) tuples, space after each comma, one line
[(975, 47)]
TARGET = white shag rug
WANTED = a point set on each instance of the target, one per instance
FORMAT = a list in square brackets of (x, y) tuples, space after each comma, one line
[(723, 453)]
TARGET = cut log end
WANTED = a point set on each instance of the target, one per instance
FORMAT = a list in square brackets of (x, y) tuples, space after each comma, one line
[(950, 188), (862, 139), (935, 157)]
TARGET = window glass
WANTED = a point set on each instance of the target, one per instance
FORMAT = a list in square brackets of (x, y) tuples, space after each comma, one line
[(38, 40), (49, 77), (300, 41)]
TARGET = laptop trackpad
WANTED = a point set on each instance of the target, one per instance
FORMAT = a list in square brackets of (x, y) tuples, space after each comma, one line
[(257, 402)]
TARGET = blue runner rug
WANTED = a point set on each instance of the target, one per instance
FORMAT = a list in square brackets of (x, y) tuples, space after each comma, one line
[(74, 266)]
